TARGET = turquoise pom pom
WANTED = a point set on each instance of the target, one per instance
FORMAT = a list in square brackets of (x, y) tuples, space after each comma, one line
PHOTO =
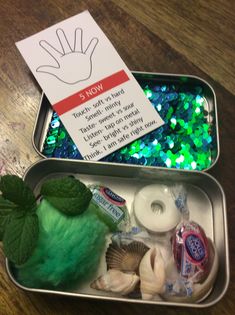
[(68, 250)]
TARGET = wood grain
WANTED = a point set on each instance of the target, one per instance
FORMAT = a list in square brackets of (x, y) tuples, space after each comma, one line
[(202, 31), (192, 37)]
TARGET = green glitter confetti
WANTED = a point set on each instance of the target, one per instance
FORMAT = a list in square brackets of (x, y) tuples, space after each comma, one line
[(187, 140), (148, 93)]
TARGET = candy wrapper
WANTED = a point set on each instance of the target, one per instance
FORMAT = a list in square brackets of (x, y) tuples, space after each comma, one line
[(189, 242), (110, 207), (190, 249), (194, 255), (179, 195)]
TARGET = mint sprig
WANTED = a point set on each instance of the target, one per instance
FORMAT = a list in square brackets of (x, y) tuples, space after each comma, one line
[(19, 227), (20, 237), (14, 189), (67, 194), (6, 207), (18, 220)]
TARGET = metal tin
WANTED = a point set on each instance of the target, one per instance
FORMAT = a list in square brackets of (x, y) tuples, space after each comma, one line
[(211, 151), (207, 207)]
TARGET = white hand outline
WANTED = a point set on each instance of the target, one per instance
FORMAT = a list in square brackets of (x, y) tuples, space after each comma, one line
[(69, 58)]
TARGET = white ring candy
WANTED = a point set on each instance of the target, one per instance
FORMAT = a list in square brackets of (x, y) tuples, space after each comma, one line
[(155, 209)]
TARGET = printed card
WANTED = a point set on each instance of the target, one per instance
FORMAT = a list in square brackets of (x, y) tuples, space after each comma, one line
[(97, 98)]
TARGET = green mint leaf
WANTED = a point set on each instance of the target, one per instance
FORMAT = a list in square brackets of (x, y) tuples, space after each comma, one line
[(6, 209), (6, 204), (4, 220), (15, 190), (20, 237), (67, 194)]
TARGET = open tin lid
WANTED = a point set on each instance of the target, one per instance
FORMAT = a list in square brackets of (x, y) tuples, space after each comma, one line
[(188, 139)]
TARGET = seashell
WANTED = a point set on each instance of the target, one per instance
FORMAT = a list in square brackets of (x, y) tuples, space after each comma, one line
[(116, 281), (125, 257), (152, 274)]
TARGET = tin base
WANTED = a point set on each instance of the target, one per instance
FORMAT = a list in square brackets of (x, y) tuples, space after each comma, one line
[(206, 202)]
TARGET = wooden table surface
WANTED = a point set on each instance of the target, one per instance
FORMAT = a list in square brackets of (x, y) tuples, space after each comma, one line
[(190, 37)]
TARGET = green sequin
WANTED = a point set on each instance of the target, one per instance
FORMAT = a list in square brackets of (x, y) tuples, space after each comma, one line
[(187, 140)]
